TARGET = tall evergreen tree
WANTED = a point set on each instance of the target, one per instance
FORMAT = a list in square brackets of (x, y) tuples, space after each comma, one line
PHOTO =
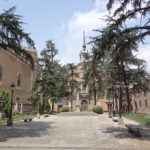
[(115, 51), (12, 34), (72, 82), (131, 15), (51, 81)]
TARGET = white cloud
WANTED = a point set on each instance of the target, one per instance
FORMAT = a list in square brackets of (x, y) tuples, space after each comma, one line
[(79, 22), (144, 53), (93, 19)]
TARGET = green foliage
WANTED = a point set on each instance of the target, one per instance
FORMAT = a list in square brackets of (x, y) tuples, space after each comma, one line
[(141, 118), (91, 70), (98, 109), (12, 34), (71, 81), (16, 113), (120, 67), (7, 102), (64, 109), (115, 47), (50, 83), (126, 18)]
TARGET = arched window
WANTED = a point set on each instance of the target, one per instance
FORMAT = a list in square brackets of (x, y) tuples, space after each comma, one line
[(19, 79), (1, 72)]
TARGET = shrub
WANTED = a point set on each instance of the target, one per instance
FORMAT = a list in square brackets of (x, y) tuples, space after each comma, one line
[(98, 110), (46, 115), (16, 113), (64, 109), (7, 102)]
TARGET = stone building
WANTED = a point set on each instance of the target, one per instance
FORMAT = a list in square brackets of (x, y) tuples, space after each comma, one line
[(80, 97), (81, 100), (141, 102), (19, 70)]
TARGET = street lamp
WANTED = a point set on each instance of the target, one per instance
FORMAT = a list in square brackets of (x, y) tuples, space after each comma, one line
[(10, 120)]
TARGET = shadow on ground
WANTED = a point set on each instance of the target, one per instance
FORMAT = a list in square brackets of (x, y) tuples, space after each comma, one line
[(121, 133), (78, 114), (32, 129)]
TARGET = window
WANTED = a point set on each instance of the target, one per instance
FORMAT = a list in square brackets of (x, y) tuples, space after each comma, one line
[(84, 86), (19, 79), (136, 105), (1, 74), (17, 99), (146, 103)]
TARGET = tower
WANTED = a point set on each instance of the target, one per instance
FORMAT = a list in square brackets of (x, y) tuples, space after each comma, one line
[(83, 52), (84, 43)]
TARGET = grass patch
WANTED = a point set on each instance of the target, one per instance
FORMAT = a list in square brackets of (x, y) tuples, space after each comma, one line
[(64, 109), (21, 116), (138, 117), (17, 117), (2, 122)]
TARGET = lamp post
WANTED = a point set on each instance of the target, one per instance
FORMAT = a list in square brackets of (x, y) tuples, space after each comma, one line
[(10, 119), (39, 96)]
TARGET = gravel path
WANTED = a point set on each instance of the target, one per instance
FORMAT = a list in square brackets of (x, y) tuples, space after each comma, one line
[(75, 131)]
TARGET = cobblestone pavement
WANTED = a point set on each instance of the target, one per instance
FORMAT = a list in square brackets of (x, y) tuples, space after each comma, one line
[(70, 131)]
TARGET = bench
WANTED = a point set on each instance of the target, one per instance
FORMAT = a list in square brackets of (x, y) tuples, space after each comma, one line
[(27, 119), (134, 130)]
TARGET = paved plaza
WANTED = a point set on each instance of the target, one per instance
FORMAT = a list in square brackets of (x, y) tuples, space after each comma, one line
[(70, 131)]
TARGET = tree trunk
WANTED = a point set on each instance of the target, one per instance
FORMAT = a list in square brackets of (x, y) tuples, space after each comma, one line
[(53, 106), (72, 86), (71, 102), (89, 98), (94, 81), (120, 102), (126, 87), (42, 103), (113, 100), (95, 94), (135, 103), (117, 101)]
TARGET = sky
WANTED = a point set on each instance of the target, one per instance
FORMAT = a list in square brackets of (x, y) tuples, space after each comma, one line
[(64, 21)]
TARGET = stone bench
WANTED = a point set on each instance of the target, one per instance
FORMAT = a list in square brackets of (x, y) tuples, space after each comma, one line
[(27, 119), (134, 130)]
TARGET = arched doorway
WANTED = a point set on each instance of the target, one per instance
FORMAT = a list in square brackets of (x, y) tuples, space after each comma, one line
[(84, 105)]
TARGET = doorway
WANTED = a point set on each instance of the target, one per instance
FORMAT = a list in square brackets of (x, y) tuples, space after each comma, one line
[(84, 105)]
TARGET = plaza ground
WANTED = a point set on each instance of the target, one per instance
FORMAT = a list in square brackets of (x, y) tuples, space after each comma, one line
[(74, 131)]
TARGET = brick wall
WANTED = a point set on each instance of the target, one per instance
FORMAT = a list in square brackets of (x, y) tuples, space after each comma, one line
[(12, 67)]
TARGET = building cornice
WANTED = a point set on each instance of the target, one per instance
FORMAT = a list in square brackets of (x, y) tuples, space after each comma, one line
[(23, 55)]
